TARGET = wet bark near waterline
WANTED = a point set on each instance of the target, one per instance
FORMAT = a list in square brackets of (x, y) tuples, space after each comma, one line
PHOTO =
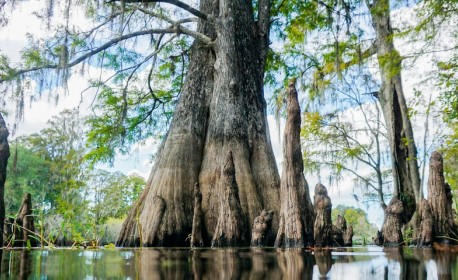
[(196, 234), (391, 229), (426, 224), (4, 155), (262, 229), (296, 213), (437, 198), (378, 239), (323, 224), (231, 229)]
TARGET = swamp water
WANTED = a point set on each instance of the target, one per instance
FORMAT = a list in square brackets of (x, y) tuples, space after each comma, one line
[(246, 263)]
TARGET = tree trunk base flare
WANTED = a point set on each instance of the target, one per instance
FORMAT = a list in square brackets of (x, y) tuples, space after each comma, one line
[(231, 229), (426, 224), (221, 108), (4, 155), (262, 229), (196, 234), (323, 224), (296, 211), (391, 230)]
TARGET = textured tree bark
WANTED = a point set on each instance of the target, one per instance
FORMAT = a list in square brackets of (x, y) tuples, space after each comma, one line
[(24, 218), (323, 224), (426, 224), (262, 229), (406, 177), (4, 155), (391, 229), (221, 109), (453, 226), (437, 198), (196, 234), (231, 229), (296, 214)]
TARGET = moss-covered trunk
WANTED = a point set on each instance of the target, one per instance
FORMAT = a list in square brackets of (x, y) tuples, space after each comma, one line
[(221, 109)]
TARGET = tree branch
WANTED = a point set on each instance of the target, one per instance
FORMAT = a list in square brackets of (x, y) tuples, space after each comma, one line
[(177, 3), (173, 29)]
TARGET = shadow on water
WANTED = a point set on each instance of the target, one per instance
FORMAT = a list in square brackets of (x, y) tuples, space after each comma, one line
[(244, 263)]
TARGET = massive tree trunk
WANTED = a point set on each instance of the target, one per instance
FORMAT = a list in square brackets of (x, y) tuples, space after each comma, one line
[(406, 176), (296, 216), (221, 109), (4, 155)]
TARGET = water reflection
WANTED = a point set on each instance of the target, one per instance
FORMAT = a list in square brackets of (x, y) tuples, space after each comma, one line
[(251, 264)]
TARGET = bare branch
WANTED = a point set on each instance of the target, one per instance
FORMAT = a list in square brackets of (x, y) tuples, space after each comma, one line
[(173, 29), (177, 3)]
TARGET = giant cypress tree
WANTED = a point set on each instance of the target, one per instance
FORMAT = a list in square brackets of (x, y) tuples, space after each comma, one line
[(221, 107)]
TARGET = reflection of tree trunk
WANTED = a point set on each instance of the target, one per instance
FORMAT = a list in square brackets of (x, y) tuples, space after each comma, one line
[(296, 214), (406, 175), (323, 260), (444, 269), (221, 109), (4, 155), (263, 265), (323, 225), (294, 264)]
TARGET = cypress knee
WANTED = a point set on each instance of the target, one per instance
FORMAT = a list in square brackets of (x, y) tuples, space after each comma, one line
[(323, 223), (262, 229), (25, 219), (231, 228), (391, 230), (426, 224), (348, 237), (338, 231), (296, 211), (437, 198)]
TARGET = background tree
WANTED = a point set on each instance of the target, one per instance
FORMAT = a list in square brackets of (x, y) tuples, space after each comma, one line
[(357, 218)]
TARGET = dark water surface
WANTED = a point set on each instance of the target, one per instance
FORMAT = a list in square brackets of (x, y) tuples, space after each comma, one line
[(247, 263)]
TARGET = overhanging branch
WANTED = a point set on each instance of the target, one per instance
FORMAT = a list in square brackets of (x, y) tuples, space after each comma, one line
[(173, 29), (177, 3)]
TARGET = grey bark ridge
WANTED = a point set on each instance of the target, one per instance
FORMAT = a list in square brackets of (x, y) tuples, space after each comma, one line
[(261, 233), (4, 155), (296, 212), (231, 229), (323, 223)]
